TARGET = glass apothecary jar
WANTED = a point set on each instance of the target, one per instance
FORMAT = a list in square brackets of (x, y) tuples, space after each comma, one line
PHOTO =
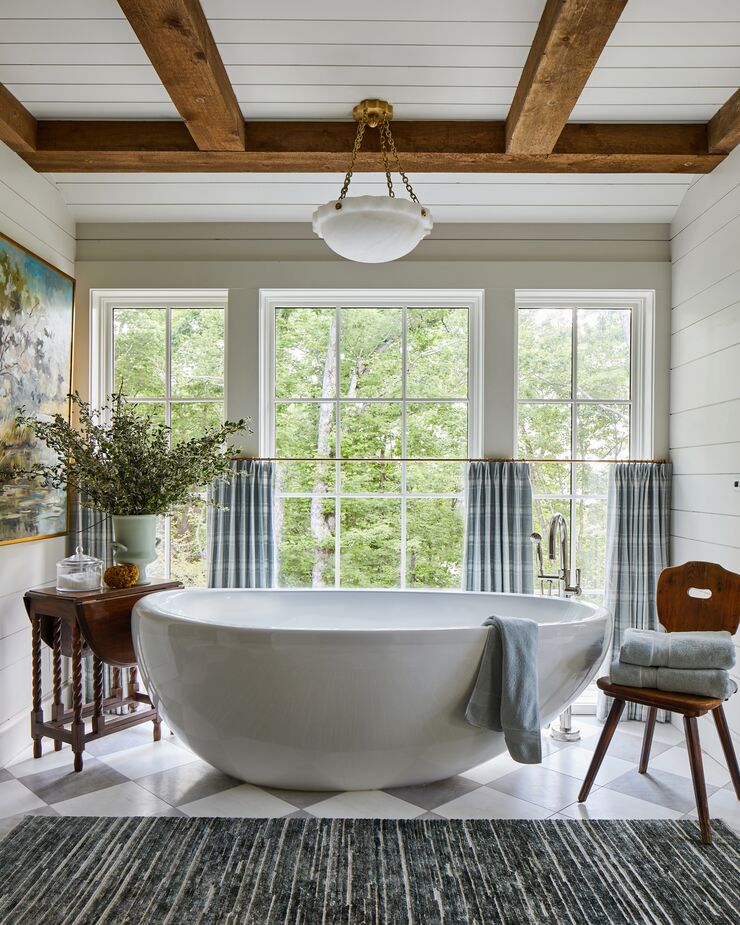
[(80, 572)]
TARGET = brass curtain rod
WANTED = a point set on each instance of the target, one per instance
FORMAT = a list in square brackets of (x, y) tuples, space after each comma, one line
[(415, 459)]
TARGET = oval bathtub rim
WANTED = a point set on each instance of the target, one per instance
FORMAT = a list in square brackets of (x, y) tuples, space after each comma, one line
[(153, 606)]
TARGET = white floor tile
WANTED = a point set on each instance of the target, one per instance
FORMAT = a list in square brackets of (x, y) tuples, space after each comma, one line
[(243, 801), (676, 760), (365, 804), (664, 732), (25, 766), (586, 722), (15, 798), (485, 803), (122, 800), (575, 761), (490, 770), (148, 759), (723, 805), (608, 804)]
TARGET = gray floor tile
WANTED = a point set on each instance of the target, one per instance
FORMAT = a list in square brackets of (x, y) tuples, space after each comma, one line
[(430, 816), (119, 741), (186, 783), (661, 787), (301, 798), (299, 814), (539, 785), (625, 746), (5, 774), (429, 796), (728, 786), (59, 784), (8, 823)]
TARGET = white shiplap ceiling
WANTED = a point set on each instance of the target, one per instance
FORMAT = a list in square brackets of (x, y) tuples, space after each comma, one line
[(667, 60), (496, 197)]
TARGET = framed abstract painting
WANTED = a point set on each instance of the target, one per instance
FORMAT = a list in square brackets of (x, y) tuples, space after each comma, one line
[(36, 330)]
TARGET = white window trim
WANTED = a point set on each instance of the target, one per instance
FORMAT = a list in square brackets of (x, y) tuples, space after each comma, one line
[(272, 299), (642, 378), (102, 304), (642, 387), (642, 372)]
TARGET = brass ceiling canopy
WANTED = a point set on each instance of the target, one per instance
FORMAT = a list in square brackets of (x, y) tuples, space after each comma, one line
[(373, 112)]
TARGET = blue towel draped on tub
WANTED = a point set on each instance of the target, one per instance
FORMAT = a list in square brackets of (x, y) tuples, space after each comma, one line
[(505, 696)]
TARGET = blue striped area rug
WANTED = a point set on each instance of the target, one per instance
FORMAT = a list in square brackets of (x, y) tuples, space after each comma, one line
[(365, 872)]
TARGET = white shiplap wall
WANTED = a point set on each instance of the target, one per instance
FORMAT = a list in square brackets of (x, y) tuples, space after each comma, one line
[(34, 214), (705, 384)]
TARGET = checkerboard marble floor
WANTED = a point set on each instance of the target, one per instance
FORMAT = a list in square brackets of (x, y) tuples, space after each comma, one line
[(127, 774)]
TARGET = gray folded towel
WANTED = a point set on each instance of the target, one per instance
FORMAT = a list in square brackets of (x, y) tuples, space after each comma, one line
[(707, 682), (677, 650), (505, 696)]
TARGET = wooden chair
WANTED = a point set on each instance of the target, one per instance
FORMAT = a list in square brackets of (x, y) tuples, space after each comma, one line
[(692, 596)]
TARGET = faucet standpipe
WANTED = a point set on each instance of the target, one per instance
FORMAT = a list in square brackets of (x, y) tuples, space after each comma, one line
[(569, 585)]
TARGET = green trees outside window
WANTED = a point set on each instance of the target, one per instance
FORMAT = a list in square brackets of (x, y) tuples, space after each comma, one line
[(356, 389), (575, 402), (171, 362)]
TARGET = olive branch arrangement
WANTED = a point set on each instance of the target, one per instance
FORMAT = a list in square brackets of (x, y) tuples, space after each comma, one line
[(125, 463)]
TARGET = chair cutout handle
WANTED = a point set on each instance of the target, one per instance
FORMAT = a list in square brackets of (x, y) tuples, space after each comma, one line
[(702, 593)]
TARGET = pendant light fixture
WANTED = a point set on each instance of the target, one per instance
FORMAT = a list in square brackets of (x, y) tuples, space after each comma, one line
[(373, 229)]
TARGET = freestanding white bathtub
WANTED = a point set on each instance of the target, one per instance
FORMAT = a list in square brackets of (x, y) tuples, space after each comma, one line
[(345, 690)]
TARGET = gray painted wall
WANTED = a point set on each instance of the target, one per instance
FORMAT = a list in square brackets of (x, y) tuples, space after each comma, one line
[(497, 259)]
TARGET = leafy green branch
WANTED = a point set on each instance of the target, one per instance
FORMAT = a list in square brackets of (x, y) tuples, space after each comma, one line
[(125, 463)]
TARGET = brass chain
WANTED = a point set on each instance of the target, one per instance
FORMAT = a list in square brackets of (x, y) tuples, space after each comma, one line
[(385, 127), (386, 166), (361, 126), (386, 143)]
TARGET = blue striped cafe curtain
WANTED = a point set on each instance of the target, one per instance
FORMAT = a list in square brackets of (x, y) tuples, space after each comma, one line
[(241, 527), (92, 530), (637, 549), (498, 524)]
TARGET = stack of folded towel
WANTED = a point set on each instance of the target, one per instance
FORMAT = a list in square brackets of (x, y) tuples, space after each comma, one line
[(687, 663)]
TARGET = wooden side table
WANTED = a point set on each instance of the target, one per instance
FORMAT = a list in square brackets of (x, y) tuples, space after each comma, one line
[(80, 625)]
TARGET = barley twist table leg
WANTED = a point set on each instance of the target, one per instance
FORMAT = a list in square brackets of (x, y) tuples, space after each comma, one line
[(57, 710), (98, 719), (133, 687), (78, 727), (37, 715), (116, 683)]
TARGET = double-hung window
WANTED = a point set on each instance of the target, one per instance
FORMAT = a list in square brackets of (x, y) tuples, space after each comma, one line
[(167, 354), (370, 404), (584, 400)]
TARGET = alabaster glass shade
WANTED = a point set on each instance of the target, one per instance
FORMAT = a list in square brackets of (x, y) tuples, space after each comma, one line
[(372, 229)]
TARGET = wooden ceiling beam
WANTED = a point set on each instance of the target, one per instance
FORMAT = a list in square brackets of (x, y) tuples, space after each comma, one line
[(17, 126), (569, 40), (178, 41), (723, 129), (320, 147)]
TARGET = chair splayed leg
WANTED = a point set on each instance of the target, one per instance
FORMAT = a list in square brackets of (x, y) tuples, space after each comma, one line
[(698, 596)]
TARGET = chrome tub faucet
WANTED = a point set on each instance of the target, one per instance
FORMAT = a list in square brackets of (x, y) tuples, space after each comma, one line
[(568, 583)]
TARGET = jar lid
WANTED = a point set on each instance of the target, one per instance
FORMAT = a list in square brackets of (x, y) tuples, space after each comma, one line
[(80, 559)]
